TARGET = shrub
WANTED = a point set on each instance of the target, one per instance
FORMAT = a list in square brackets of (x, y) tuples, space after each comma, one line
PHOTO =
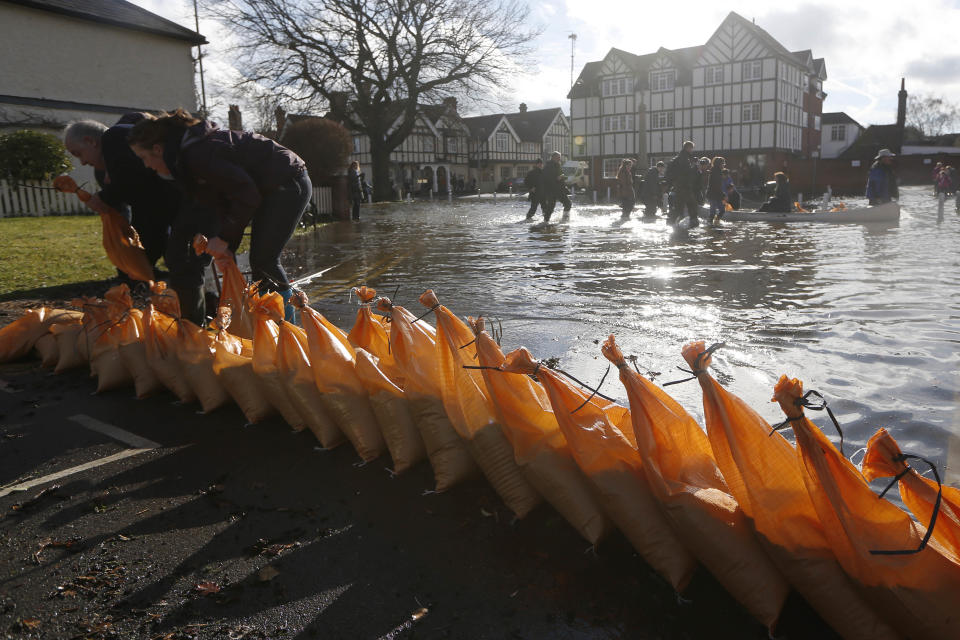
[(323, 144), (31, 155)]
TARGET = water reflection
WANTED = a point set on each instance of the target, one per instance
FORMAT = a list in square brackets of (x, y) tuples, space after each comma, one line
[(867, 314)]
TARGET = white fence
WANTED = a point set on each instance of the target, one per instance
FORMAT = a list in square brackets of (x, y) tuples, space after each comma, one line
[(26, 199), (323, 199)]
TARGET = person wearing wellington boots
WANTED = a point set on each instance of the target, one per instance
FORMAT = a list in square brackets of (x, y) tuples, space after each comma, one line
[(245, 178)]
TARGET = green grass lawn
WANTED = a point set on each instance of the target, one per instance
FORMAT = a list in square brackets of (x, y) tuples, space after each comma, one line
[(50, 251)]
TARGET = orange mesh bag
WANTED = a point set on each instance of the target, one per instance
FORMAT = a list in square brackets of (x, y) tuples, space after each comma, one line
[(885, 459), (105, 362), (196, 349), (414, 345), (233, 292), (47, 349), (18, 338), (120, 240), (764, 475), (392, 410), (612, 465), (161, 336), (683, 476), (539, 447), (347, 402), (370, 334), (267, 311), (293, 364), (471, 411), (68, 352), (133, 353), (915, 581)]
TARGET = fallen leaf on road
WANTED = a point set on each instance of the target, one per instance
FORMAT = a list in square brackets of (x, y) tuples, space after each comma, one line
[(419, 613), (207, 588), (30, 623), (267, 574)]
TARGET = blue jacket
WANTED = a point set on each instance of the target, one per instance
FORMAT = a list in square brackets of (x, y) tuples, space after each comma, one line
[(881, 184)]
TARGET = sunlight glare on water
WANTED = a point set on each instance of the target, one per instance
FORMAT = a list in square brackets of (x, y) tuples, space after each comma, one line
[(869, 315)]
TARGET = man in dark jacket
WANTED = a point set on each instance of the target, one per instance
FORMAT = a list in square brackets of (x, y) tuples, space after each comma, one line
[(551, 187), (148, 202), (881, 181), (533, 181), (683, 176), (652, 192)]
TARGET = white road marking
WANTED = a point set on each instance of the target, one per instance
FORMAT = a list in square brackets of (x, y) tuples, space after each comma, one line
[(126, 453), (140, 445), (114, 432), (5, 386)]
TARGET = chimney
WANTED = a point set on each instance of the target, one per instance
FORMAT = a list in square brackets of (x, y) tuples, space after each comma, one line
[(338, 104), (901, 114), (523, 107), (451, 105), (235, 118), (281, 117)]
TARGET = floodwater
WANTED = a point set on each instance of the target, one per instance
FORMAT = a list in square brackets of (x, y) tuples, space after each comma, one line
[(869, 315)]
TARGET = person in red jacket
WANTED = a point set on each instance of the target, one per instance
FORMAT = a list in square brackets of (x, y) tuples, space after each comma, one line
[(245, 178)]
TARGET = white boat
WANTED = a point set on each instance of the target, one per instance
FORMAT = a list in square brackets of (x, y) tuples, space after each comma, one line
[(887, 212)]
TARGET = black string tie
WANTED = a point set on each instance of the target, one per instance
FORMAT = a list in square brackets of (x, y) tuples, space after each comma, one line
[(804, 402), (427, 312), (936, 507), (595, 392), (697, 368)]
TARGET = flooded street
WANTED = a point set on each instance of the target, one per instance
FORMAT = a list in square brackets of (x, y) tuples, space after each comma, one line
[(869, 315)]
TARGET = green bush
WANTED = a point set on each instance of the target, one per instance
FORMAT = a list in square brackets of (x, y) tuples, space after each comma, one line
[(30, 155)]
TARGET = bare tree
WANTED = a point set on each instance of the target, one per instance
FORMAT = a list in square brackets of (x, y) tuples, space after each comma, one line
[(388, 56), (931, 115)]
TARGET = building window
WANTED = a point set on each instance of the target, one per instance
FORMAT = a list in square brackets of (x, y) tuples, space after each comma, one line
[(428, 144), (548, 147), (522, 171), (713, 115), (617, 86), (502, 140), (528, 147), (451, 145), (838, 132), (753, 70), (662, 80), (623, 122), (713, 75), (356, 144), (661, 119), (505, 173), (751, 112), (580, 149), (610, 167)]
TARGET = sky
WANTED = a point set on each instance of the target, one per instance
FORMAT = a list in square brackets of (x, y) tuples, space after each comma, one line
[(867, 46)]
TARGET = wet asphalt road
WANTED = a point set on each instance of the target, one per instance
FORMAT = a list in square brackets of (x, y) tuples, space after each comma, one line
[(224, 531)]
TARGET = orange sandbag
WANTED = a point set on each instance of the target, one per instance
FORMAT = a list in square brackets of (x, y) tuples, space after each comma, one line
[(347, 402), (392, 410), (293, 364), (18, 338), (916, 585), (267, 311), (611, 463), (539, 447), (764, 475), (104, 338), (161, 334), (48, 351), (471, 411), (414, 345), (235, 371), (683, 476), (369, 334), (133, 353), (919, 494), (195, 350), (233, 292), (120, 240), (68, 352)]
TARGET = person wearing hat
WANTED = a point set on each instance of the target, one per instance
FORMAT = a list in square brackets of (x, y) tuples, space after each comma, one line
[(882, 181)]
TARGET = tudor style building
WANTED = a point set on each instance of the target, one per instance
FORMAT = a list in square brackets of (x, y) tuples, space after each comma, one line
[(504, 146), (742, 95)]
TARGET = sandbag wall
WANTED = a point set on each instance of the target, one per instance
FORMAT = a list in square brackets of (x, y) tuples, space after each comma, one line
[(736, 498)]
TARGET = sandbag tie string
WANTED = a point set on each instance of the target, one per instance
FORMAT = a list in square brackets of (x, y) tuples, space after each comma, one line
[(784, 424), (813, 405), (903, 457), (427, 312), (697, 368), (594, 391)]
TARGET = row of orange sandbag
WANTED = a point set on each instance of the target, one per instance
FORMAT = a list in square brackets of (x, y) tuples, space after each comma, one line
[(664, 490)]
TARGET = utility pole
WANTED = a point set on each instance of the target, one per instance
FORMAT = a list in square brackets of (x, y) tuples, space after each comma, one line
[(573, 47), (203, 89)]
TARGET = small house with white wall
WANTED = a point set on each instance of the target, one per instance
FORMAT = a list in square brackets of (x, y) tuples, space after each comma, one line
[(839, 132)]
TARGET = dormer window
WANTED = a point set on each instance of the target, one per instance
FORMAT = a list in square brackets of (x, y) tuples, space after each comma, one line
[(617, 86), (662, 80), (713, 75)]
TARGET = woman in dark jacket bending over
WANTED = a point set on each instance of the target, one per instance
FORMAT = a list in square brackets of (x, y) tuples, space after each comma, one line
[(245, 178)]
